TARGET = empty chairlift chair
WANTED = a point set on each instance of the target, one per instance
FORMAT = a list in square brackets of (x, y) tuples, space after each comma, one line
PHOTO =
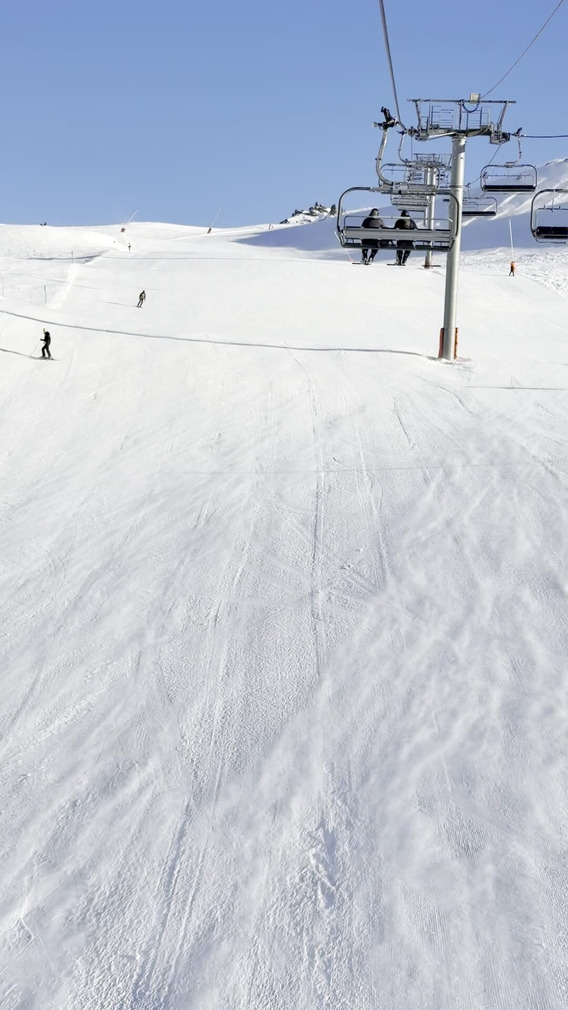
[(410, 201), (549, 215), (511, 178), (479, 206)]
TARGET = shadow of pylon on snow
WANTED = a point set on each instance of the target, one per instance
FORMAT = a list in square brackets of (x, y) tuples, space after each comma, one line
[(324, 348), (7, 350)]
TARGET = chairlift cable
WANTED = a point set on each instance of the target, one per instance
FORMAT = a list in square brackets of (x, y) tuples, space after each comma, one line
[(525, 51), (389, 57)]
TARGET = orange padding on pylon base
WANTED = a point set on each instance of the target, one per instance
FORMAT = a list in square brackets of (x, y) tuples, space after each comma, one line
[(441, 345)]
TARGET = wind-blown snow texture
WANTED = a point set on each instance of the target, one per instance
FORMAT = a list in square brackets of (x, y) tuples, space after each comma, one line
[(284, 627)]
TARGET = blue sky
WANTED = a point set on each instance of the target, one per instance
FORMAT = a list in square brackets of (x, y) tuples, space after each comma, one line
[(174, 109)]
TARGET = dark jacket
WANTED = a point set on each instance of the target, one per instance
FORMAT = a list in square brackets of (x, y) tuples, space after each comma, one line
[(405, 224), (46, 338), (373, 222)]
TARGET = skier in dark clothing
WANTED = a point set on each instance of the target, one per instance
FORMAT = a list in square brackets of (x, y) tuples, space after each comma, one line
[(141, 299), (405, 222), (371, 247), (45, 352)]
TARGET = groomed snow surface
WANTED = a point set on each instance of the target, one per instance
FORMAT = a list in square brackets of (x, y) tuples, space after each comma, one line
[(284, 697)]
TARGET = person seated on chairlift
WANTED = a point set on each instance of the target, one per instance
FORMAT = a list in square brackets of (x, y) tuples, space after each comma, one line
[(371, 247), (403, 248)]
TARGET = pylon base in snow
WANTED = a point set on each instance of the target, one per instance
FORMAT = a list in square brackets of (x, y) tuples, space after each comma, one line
[(441, 344)]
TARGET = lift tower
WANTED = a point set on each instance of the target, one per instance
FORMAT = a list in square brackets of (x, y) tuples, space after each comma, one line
[(435, 167), (458, 119)]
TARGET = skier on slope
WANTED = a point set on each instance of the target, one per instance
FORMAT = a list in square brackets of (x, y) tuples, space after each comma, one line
[(405, 222), (141, 299), (512, 266), (45, 352), (370, 246)]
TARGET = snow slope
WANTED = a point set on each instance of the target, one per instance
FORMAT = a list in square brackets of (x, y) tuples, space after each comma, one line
[(284, 629)]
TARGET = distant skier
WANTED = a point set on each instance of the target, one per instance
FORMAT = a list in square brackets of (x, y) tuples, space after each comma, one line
[(141, 299), (512, 268), (405, 222), (370, 246), (45, 352)]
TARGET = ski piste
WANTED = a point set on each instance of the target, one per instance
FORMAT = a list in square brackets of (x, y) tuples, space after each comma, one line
[(306, 484)]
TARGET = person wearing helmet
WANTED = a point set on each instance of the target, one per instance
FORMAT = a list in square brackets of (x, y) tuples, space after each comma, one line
[(371, 246), (404, 223)]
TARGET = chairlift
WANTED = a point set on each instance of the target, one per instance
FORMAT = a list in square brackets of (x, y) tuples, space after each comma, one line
[(508, 178), (479, 206), (549, 215), (410, 201), (404, 178), (439, 236)]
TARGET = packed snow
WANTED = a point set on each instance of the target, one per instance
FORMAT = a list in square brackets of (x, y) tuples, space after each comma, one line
[(284, 625)]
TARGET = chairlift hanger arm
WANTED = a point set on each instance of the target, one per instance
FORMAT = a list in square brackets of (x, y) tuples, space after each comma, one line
[(379, 158)]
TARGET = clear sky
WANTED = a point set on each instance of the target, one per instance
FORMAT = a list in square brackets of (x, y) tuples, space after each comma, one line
[(174, 108)]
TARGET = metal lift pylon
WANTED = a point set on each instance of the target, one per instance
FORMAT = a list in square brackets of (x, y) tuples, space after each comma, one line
[(457, 119)]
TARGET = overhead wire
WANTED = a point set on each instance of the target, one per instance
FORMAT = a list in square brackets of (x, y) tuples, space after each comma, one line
[(389, 58), (558, 136), (525, 51)]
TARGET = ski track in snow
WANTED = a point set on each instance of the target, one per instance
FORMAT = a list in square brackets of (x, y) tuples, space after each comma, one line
[(284, 629)]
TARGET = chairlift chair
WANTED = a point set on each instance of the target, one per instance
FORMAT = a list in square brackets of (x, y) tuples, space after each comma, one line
[(549, 217), (440, 236), (405, 178), (479, 206), (410, 201), (508, 178)]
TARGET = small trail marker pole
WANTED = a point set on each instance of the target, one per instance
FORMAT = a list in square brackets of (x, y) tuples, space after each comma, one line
[(512, 267), (210, 228)]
